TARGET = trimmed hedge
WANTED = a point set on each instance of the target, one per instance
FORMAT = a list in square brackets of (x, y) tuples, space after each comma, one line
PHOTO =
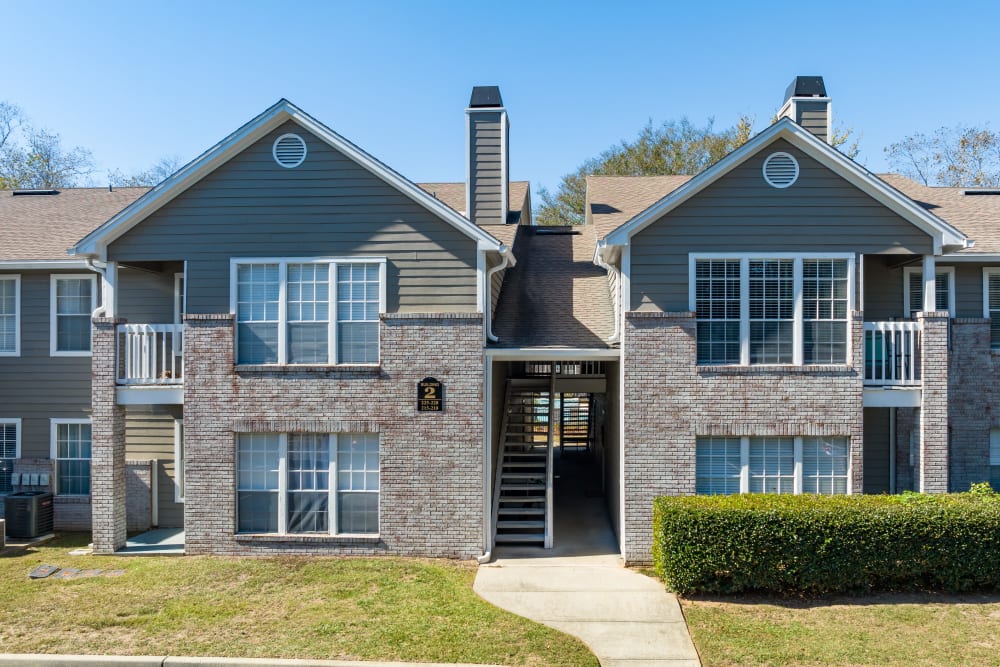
[(814, 545)]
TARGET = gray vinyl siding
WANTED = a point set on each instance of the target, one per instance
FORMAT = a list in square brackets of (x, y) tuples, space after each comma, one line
[(876, 451), (486, 167), (145, 297), (149, 434), (883, 288), (740, 212), (36, 387), (328, 206), (969, 288), (814, 116)]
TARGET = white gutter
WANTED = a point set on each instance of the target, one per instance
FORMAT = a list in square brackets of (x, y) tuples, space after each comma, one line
[(101, 269), (488, 303), (42, 264), (617, 304), (487, 461)]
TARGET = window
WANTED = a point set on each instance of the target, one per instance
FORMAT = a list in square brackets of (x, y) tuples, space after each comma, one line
[(73, 299), (10, 450), (780, 309), (913, 290), (10, 316), (308, 312), (991, 304), (771, 465), (71, 452), (308, 483)]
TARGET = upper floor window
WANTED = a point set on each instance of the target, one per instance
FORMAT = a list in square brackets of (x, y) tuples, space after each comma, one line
[(10, 316), (913, 290), (991, 304), (772, 310), (72, 300), (308, 311)]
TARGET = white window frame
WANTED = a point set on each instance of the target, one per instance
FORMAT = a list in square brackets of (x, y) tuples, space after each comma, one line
[(283, 262), (910, 270), (178, 460), (16, 421), (53, 317), (16, 352), (797, 480), (54, 454), (332, 491), (180, 297), (987, 272), (798, 326)]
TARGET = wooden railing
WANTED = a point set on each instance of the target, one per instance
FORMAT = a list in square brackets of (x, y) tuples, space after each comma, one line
[(892, 353), (150, 354)]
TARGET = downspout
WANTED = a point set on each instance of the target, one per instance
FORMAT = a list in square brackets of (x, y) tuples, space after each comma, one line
[(101, 269), (488, 308), (617, 306)]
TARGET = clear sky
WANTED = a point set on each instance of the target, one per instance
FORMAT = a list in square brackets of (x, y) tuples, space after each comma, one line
[(136, 81)]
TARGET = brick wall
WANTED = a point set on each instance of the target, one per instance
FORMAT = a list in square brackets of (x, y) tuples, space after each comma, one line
[(974, 401), (107, 476), (431, 501), (669, 401), (932, 475)]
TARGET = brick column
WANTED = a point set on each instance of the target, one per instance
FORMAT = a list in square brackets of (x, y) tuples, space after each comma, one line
[(107, 473), (932, 472), (857, 360)]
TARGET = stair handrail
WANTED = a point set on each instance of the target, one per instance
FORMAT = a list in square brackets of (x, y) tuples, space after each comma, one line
[(502, 451)]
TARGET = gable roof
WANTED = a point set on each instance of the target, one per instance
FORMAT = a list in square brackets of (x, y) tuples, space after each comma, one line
[(44, 227), (453, 194), (614, 200), (942, 233), (96, 242)]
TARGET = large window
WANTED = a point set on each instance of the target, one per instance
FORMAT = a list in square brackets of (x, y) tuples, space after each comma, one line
[(10, 450), (10, 316), (913, 290), (308, 312), (772, 309), (72, 301), (991, 304), (71, 451), (308, 483), (771, 465)]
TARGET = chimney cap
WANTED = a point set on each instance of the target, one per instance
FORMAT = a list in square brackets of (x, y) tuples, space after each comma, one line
[(485, 96), (806, 86)]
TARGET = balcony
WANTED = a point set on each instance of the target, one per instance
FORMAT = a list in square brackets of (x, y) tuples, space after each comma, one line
[(150, 355), (892, 354)]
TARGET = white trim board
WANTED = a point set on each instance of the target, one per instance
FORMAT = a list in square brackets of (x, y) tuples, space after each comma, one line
[(910, 270), (553, 354), (95, 243), (45, 265), (940, 231), (16, 277), (53, 281)]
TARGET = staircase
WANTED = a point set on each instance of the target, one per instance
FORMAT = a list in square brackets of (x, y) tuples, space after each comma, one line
[(522, 497)]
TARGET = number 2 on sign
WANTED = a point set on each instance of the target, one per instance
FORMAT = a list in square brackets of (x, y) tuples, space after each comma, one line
[(430, 392)]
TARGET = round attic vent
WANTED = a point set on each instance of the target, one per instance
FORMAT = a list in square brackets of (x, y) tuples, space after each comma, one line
[(780, 170), (289, 150)]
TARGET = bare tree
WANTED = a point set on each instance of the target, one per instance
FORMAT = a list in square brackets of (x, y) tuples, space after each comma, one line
[(952, 157), (163, 168), (35, 158)]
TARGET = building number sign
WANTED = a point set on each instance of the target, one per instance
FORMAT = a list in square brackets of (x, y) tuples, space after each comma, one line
[(430, 395)]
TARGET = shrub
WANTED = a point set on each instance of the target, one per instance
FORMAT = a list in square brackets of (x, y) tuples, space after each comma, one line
[(815, 545)]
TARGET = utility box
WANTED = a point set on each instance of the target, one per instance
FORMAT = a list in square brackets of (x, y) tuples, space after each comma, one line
[(28, 514)]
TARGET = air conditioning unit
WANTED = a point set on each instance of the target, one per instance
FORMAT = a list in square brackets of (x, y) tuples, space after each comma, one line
[(28, 514)]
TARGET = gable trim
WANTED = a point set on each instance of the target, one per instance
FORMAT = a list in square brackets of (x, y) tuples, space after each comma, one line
[(96, 242), (942, 233)]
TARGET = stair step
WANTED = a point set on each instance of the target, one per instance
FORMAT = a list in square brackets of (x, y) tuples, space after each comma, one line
[(520, 537), (522, 487), (519, 524), (524, 464), (522, 455), (522, 499), (522, 511)]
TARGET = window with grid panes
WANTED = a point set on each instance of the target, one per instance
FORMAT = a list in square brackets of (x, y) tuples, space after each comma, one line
[(8, 315), (8, 454), (717, 466), (772, 465), (72, 454), (991, 286), (772, 311), (717, 306), (824, 311)]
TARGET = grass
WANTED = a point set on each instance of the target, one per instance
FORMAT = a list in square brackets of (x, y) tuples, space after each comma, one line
[(294, 607), (904, 630)]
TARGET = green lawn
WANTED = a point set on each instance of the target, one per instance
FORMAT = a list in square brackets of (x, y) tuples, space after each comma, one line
[(333, 608), (904, 630)]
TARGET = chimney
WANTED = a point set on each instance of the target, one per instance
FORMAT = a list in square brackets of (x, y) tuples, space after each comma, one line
[(486, 173), (807, 104)]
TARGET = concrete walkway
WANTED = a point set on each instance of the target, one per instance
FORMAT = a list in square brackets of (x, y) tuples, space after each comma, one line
[(580, 587)]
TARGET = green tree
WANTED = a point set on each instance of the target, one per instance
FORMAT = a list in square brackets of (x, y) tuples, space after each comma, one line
[(34, 158), (953, 157), (675, 147)]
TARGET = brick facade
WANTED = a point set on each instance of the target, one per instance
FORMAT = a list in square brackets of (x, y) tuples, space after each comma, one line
[(669, 401), (107, 471), (138, 495), (431, 464), (973, 401), (932, 464)]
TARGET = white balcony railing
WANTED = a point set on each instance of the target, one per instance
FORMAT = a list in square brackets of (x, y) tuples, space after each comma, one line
[(150, 354), (892, 353)]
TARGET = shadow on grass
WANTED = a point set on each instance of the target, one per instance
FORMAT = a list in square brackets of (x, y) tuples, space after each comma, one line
[(60, 541), (873, 599)]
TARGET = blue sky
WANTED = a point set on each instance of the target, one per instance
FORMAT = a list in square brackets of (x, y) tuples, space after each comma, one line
[(136, 81)]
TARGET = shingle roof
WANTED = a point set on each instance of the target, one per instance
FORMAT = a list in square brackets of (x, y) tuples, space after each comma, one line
[(555, 296), (978, 216), (614, 200), (34, 227), (453, 195)]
